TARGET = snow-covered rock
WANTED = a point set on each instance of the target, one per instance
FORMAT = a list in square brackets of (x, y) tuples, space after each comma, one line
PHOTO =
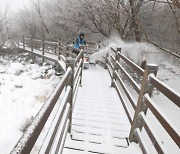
[(23, 62), (2, 70), (9, 44), (16, 69), (18, 84), (35, 76), (51, 72)]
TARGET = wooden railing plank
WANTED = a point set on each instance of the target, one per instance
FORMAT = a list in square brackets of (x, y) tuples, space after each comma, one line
[(62, 108), (134, 66), (152, 135), (129, 78), (166, 90), (132, 101), (123, 103), (141, 142), (63, 129), (168, 126)]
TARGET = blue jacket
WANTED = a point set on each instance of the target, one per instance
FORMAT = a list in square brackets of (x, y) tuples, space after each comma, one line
[(79, 42)]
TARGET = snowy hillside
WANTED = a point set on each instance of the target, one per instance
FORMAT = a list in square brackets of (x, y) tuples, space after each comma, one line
[(24, 87)]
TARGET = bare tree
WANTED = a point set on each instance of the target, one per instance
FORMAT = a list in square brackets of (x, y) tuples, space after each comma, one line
[(28, 23), (5, 25), (154, 21), (38, 7)]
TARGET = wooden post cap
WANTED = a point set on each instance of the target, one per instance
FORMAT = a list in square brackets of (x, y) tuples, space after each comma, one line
[(152, 68), (118, 49)]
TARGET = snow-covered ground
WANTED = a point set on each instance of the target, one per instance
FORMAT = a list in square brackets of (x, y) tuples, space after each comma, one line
[(24, 87)]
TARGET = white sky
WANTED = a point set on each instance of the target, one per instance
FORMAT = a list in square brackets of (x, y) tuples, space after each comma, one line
[(14, 5)]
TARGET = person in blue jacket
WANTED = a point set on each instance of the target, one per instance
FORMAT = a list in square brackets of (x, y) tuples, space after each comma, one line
[(80, 41)]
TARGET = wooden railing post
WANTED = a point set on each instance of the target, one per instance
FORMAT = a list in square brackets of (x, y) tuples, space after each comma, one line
[(56, 48), (67, 49), (23, 43), (70, 63), (106, 61), (33, 55), (31, 44), (59, 44), (81, 74), (82, 48), (43, 47), (117, 58), (145, 88), (18, 41)]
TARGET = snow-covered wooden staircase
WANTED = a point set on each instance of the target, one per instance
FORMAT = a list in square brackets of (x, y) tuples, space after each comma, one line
[(100, 124)]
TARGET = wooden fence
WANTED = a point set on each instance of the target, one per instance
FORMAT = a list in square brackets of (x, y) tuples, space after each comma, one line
[(48, 47), (52, 51), (63, 97), (117, 65)]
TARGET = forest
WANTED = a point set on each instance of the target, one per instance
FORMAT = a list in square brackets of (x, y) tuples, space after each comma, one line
[(154, 21)]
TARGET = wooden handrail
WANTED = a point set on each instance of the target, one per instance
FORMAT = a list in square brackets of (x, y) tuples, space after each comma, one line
[(113, 50), (134, 66), (126, 90), (77, 68), (123, 103), (80, 55), (144, 103), (56, 45), (63, 118), (47, 42), (60, 115), (166, 90), (110, 64), (152, 135), (76, 80), (141, 142), (63, 130), (27, 141), (171, 130), (114, 59), (129, 78), (110, 71)]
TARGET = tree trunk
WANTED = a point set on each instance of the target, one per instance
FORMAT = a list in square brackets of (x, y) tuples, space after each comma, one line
[(134, 22)]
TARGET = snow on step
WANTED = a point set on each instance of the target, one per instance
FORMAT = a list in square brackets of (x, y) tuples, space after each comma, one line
[(99, 123)]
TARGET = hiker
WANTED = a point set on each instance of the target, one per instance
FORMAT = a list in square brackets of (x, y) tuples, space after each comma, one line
[(80, 41)]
